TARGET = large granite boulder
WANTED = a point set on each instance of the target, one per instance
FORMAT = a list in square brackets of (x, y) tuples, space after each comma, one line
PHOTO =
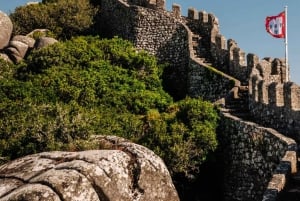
[(24, 39), (121, 171), (18, 47), (6, 28), (16, 50)]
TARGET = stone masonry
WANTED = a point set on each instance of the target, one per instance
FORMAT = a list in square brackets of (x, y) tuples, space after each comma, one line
[(261, 159), (254, 155)]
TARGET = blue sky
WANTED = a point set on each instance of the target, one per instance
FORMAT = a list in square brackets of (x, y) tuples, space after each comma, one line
[(242, 21)]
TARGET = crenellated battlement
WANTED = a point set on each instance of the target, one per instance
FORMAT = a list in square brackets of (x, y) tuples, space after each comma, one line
[(272, 101), (276, 94), (224, 54), (176, 11), (265, 74), (204, 18)]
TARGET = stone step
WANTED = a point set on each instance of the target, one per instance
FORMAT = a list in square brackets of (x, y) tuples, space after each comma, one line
[(196, 37), (237, 109), (238, 106), (199, 59), (244, 88), (199, 54), (290, 194), (207, 63), (244, 116), (240, 98), (240, 103), (202, 59), (199, 49), (292, 190), (195, 45)]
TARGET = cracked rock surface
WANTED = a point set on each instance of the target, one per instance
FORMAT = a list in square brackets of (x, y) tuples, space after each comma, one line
[(122, 171)]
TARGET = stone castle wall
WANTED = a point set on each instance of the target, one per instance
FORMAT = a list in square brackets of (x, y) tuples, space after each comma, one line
[(253, 157), (155, 31), (212, 85), (254, 153)]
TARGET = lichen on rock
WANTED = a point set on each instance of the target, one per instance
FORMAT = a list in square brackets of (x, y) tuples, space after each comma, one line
[(122, 171)]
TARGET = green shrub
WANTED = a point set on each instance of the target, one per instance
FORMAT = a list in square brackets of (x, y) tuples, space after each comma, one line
[(27, 128), (77, 77), (183, 136), (79, 70), (64, 18), (66, 92), (6, 69)]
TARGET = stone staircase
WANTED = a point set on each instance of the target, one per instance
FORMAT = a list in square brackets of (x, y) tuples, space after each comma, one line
[(200, 52), (237, 104)]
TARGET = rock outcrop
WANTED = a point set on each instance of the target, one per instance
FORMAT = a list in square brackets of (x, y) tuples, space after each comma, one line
[(15, 49), (6, 28), (24, 39), (122, 171)]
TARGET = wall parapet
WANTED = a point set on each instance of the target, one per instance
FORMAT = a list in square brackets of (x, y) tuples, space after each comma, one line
[(263, 88), (286, 167), (224, 54), (208, 84), (273, 102)]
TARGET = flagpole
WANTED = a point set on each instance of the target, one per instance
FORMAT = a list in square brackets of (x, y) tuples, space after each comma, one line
[(286, 46)]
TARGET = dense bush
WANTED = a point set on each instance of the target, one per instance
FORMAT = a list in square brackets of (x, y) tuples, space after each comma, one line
[(183, 135), (96, 72), (64, 18), (6, 69), (68, 91)]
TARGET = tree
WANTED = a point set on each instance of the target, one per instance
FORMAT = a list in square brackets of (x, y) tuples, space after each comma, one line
[(65, 18)]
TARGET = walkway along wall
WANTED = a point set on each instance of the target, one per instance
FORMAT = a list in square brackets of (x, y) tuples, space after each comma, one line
[(258, 160)]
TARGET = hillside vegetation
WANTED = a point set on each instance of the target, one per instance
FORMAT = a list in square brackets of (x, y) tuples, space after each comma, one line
[(84, 85), (64, 18)]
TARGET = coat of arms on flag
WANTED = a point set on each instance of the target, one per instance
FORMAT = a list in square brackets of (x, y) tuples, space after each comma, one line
[(275, 25)]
